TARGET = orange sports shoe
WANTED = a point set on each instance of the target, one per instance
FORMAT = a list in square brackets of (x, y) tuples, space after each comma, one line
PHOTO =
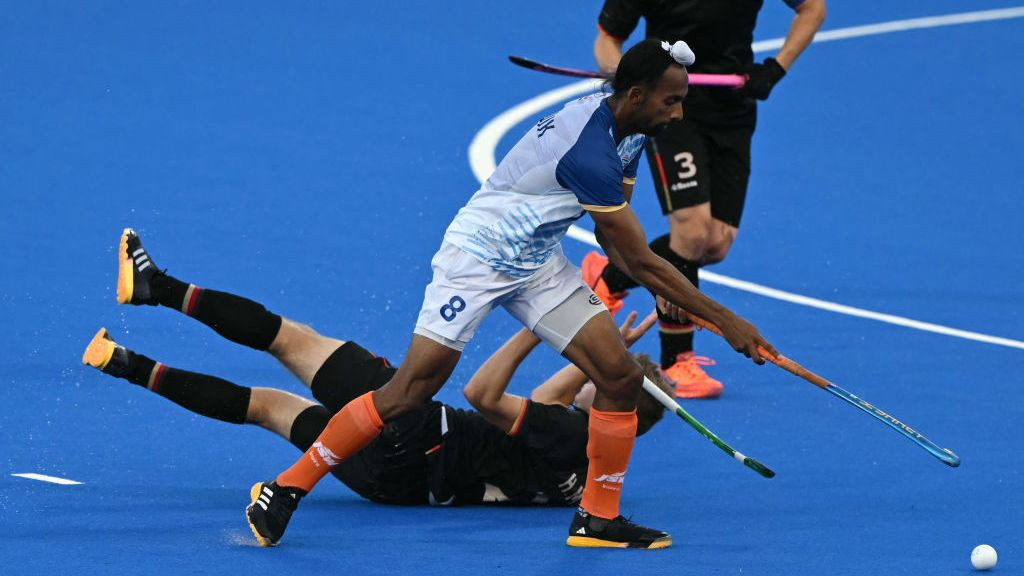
[(690, 379), (593, 265)]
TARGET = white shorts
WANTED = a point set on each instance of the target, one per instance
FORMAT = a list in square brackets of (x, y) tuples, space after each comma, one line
[(464, 290)]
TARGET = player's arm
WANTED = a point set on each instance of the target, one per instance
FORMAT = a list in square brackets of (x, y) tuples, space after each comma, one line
[(809, 16), (563, 386), (620, 232), (761, 78), (486, 388), (607, 51)]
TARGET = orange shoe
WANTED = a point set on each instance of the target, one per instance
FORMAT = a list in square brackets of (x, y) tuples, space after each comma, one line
[(593, 266), (690, 379)]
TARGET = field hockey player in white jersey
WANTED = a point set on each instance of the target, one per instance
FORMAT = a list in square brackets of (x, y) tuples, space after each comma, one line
[(503, 249)]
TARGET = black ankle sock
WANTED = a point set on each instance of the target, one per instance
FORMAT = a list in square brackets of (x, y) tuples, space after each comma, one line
[(236, 318), (617, 280), (676, 337), (205, 395)]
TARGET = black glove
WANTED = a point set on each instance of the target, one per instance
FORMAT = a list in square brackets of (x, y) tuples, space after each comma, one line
[(761, 78)]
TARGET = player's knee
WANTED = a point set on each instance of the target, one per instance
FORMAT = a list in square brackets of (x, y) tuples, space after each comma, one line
[(689, 235), (293, 338), (400, 396), (715, 253), (719, 243), (621, 385)]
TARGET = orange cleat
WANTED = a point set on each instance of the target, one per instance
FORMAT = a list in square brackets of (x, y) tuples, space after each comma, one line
[(593, 265), (690, 379)]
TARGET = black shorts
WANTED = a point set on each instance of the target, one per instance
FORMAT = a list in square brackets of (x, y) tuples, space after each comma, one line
[(394, 468), (693, 163)]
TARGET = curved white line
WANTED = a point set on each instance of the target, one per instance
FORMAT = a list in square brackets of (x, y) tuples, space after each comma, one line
[(481, 160)]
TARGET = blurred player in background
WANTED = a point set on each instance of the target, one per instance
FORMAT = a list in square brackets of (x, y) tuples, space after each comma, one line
[(514, 451), (504, 249), (701, 165)]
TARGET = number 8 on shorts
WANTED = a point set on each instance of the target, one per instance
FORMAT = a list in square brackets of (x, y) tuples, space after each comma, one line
[(450, 310)]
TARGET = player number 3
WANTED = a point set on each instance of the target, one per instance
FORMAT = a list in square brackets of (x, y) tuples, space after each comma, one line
[(450, 310)]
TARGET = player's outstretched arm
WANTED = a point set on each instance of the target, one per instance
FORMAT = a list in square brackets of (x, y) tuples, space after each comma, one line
[(621, 232), (809, 16), (607, 52), (486, 388), (563, 386)]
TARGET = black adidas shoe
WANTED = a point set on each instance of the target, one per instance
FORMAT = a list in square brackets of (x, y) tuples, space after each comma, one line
[(134, 271), (588, 531), (104, 354), (271, 508)]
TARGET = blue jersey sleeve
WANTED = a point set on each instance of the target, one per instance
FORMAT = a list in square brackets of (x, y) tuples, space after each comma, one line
[(629, 172), (592, 169)]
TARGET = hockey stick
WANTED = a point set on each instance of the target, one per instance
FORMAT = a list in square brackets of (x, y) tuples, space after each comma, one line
[(696, 79), (944, 454), (673, 406)]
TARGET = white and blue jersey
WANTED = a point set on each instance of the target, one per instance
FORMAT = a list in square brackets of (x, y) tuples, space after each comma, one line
[(567, 163)]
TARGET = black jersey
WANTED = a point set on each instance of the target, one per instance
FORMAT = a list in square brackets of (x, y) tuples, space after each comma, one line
[(720, 33), (442, 455), (543, 462)]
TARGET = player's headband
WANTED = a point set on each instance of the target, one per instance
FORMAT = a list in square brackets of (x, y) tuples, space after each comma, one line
[(680, 52)]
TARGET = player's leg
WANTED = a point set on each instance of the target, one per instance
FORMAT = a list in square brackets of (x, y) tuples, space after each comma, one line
[(272, 409), (450, 314), (729, 148), (563, 312), (238, 319), (685, 179)]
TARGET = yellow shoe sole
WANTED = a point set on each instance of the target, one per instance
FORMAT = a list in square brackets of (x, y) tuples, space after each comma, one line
[(99, 351), (587, 542), (254, 494), (125, 272)]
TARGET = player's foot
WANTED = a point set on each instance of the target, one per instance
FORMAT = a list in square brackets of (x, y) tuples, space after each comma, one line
[(104, 354), (588, 531), (593, 266), (135, 270), (690, 379), (271, 508)]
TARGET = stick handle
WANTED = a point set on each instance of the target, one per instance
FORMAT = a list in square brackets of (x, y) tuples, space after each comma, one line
[(781, 361), (724, 80)]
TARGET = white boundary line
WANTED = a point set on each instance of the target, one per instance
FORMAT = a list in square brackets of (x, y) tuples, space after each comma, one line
[(45, 478), (485, 142)]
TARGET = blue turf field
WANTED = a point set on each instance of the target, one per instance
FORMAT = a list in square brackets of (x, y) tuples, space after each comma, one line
[(310, 156)]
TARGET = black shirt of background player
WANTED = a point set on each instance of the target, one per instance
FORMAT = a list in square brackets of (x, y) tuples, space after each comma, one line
[(719, 32), (544, 462)]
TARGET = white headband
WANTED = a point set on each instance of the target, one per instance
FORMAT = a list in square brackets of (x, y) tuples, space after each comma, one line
[(680, 52)]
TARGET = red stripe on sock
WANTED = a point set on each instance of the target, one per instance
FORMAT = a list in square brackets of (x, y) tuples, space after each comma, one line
[(156, 376), (193, 298)]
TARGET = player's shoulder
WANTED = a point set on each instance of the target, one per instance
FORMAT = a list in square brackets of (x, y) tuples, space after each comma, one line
[(589, 111)]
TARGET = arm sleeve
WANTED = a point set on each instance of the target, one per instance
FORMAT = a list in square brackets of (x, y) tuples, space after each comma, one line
[(619, 17), (629, 172), (592, 170)]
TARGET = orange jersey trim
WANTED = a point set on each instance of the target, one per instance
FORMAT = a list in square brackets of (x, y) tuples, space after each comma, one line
[(519, 419)]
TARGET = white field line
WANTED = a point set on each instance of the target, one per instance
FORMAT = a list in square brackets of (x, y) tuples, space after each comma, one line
[(482, 162), (45, 478)]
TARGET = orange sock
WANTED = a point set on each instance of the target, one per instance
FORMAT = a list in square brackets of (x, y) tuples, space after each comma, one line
[(609, 447), (348, 432)]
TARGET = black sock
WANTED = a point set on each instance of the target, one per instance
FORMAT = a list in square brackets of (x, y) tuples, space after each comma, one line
[(676, 337), (236, 318), (205, 395), (308, 425)]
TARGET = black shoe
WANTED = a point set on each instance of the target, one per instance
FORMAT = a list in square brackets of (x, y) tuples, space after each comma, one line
[(134, 271), (270, 510), (104, 354), (588, 531)]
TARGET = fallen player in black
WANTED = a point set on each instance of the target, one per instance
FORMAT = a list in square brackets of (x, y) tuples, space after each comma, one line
[(435, 455)]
